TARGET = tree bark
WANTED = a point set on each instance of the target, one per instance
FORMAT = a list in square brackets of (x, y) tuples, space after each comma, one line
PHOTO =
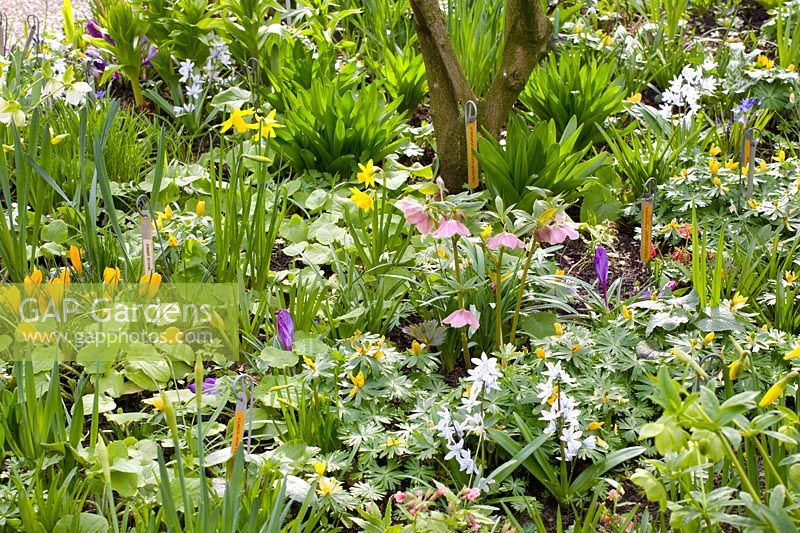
[(526, 32)]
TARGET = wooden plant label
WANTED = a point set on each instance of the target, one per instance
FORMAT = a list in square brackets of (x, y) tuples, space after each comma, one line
[(648, 202), (471, 120), (148, 253), (647, 228)]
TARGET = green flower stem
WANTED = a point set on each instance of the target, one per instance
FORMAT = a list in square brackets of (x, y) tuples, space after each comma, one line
[(498, 299), (521, 289), (464, 340), (738, 466)]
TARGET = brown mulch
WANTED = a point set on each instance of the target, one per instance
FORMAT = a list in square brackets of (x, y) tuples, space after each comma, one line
[(623, 260)]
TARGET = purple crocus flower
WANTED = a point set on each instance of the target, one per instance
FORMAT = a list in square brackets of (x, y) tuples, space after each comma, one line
[(285, 326), (672, 285), (94, 29), (148, 52), (209, 386), (601, 268), (95, 62)]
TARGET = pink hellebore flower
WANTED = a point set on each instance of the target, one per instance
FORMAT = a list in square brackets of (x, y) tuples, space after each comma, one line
[(415, 214), (506, 239), (557, 232), (461, 318), (449, 227), (472, 494)]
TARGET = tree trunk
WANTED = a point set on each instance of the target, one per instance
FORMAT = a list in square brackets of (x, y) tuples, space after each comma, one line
[(527, 29)]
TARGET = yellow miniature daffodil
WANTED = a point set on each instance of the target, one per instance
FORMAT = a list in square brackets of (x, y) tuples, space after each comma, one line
[(367, 174), (236, 121), (362, 200), (265, 127)]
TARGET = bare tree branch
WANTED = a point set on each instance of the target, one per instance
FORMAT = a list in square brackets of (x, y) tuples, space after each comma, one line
[(527, 28)]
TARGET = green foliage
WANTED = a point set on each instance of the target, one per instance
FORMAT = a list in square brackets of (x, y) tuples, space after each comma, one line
[(538, 158), (476, 31), (564, 88), (404, 72), (330, 129), (127, 28), (787, 25)]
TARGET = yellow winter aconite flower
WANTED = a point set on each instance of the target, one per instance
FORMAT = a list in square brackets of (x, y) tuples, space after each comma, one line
[(718, 184), (172, 335), (594, 426), (266, 126), (158, 404), (714, 150), (559, 328), (762, 166), (441, 252), (393, 441), (416, 348), (200, 208), (627, 313), (362, 200), (367, 174), (486, 232), (730, 164), (560, 272), (320, 467), (578, 28), (738, 301), (575, 348), (635, 98), (75, 259), (167, 212), (358, 381), (790, 276), (540, 353), (792, 354), (309, 363), (236, 120), (709, 338), (554, 396), (328, 486), (713, 167), (172, 240), (780, 157), (765, 62), (792, 67), (753, 203), (774, 392)]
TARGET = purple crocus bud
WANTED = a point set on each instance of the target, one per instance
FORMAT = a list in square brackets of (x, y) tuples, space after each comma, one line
[(601, 268), (152, 50), (285, 326), (94, 30), (209, 386), (671, 286)]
